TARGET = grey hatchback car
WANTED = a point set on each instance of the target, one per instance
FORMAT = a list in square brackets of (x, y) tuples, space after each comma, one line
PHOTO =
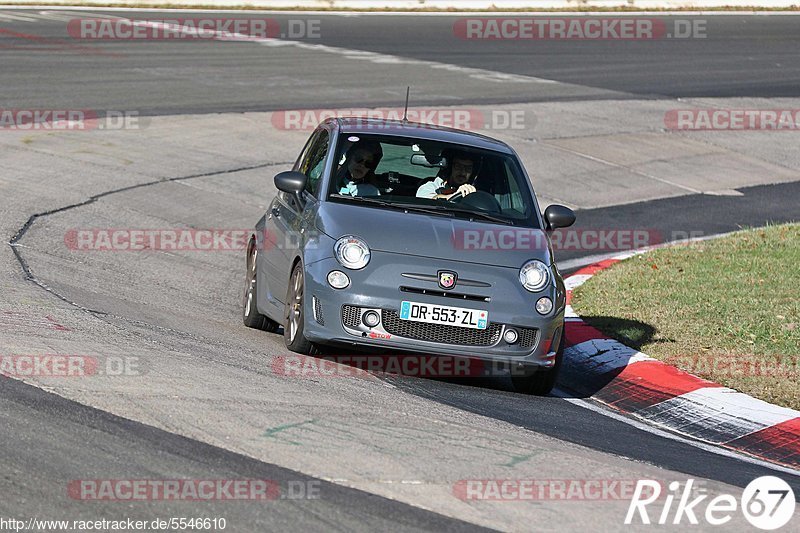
[(393, 235)]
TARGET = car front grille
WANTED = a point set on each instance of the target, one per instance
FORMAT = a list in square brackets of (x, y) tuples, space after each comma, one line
[(318, 312), (527, 337), (351, 316), (439, 332)]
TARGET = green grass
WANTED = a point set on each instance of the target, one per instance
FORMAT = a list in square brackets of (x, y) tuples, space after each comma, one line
[(726, 309)]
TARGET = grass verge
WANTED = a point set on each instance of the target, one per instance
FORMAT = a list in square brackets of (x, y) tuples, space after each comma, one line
[(726, 309)]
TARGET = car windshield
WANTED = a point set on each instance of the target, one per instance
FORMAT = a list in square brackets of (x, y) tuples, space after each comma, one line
[(440, 178)]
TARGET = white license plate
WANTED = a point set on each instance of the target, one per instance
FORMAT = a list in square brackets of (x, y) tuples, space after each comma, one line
[(443, 314)]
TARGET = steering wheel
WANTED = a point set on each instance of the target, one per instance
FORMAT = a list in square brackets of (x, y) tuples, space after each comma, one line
[(480, 200)]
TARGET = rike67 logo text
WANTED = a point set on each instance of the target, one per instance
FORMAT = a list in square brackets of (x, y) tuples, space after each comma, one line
[(767, 503)]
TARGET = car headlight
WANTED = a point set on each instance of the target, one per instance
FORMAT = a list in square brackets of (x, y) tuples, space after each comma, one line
[(351, 252), (534, 275)]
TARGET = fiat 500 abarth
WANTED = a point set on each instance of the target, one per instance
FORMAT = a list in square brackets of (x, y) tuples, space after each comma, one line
[(401, 236)]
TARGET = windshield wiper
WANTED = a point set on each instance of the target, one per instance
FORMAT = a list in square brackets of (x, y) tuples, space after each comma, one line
[(481, 214), (433, 210)]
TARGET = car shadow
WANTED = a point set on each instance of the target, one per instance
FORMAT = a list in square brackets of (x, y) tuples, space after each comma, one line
[(587, 371), (470, 373), (576, 380), (632, 333), (578, 377)]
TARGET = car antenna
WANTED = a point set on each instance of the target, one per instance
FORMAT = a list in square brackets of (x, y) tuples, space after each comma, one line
[(405, 111)]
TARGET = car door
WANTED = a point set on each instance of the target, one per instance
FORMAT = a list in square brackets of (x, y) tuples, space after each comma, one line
[(285, 221)]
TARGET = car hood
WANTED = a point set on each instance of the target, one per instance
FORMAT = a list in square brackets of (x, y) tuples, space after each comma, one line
[(441, 237)]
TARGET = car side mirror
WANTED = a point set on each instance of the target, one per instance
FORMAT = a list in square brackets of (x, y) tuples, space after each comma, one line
[(558, 216), (292, 182)]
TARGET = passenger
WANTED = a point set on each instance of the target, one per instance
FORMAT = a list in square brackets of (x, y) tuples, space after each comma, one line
[(357, 174), (457, 175)]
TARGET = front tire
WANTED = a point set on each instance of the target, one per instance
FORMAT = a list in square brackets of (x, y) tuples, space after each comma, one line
[(295, 315), (250, 315)]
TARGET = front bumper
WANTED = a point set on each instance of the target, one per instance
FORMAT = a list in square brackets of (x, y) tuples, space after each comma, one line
[(333, 316)]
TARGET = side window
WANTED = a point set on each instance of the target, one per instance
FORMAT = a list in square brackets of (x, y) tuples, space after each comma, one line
[(313, 162), (514, 199)]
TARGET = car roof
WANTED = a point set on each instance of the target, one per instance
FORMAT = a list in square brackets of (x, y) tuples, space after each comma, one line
[(417, 130)]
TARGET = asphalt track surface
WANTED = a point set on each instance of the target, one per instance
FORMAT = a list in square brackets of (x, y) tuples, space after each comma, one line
[(751, 56), (743, 56), (700, 213), (54, 427)]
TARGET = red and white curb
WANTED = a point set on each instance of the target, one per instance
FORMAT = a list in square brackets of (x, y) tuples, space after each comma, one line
[(636, 384)]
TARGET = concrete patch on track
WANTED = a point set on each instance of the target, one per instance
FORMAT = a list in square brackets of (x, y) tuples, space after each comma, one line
[(208, 377)]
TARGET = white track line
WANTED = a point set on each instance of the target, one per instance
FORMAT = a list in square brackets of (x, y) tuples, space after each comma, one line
[(8, 17), (363, 55), (66, 16), (725, 413)]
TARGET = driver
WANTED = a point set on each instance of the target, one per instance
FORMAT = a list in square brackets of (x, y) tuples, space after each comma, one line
[(458, 174)]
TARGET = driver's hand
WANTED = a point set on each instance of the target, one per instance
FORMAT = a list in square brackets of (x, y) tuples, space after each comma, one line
[(463, 190)]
